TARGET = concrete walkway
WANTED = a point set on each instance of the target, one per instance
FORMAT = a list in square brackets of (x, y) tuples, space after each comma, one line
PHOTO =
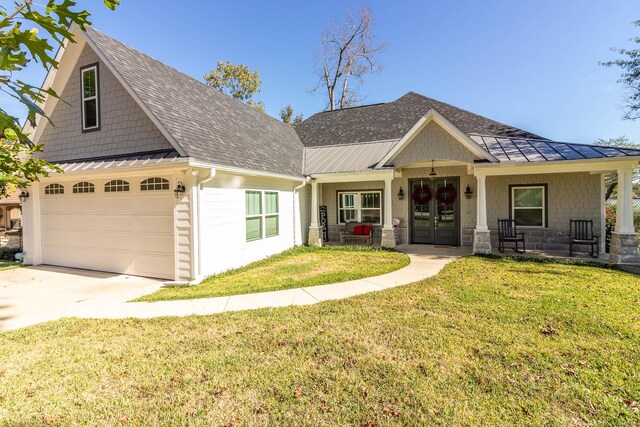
[(424, 263)]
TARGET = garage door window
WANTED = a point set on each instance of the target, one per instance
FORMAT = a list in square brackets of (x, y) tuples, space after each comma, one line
[(84, 187), (116, 185), (54, 189), (154, 183)]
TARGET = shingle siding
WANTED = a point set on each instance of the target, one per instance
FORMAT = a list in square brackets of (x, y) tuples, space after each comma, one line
[(125, 128)]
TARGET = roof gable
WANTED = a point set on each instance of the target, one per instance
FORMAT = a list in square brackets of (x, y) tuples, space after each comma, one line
[(204, 123)]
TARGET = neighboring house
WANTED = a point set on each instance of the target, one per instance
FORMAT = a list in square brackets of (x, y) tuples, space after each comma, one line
[(167, 177), (10, 211)]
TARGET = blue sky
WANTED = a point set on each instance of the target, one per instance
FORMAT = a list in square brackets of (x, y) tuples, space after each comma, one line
[(531, 64)]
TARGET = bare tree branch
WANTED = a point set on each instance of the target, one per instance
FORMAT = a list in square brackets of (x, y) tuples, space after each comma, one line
[(347, 50)]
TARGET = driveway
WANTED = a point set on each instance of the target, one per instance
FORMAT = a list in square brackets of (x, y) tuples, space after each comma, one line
[(33, 295)]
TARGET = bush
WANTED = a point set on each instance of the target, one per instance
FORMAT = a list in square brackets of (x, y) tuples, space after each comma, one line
[(8, 254)]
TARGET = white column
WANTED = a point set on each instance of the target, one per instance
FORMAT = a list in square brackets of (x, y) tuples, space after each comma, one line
[(388, 203), (481, 215), (624, 210), (314, 204)]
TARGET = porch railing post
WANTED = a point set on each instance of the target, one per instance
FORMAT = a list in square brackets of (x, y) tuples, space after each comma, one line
[(388, 238), (624, 240), (481, 234)]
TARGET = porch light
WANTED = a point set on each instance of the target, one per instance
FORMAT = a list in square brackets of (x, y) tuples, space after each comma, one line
[(432, 174), (179, 190), (401, 194), (24, 195), (468, 192)]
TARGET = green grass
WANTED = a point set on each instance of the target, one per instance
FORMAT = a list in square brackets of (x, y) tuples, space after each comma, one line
[(294, 268), (486, 342), (8, 265)]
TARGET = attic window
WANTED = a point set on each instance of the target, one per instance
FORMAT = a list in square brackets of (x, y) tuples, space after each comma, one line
[(90, 101)]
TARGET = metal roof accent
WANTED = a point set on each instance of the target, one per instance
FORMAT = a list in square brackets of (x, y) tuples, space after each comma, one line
[(521, 150), (137, 160), (346, 158)]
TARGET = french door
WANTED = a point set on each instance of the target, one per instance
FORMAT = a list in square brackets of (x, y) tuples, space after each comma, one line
[(434, 210)]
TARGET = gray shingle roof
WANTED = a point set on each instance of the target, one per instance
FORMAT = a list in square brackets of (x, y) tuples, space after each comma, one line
[(208, 125), (536, 150), (392, 120), (345, 157)]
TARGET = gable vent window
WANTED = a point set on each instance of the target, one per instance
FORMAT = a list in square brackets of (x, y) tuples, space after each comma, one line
[(155, 183), (90, 93), (116, 185), (54, 189), (84, 187)]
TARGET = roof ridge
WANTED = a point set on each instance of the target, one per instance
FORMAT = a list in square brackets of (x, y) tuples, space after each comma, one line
[(138, 51), (381, 141)]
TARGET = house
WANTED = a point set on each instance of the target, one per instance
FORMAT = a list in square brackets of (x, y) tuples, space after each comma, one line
[(166, 177), (10, 215)]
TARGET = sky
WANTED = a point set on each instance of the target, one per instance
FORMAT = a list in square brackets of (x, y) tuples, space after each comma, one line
[(530, 64)]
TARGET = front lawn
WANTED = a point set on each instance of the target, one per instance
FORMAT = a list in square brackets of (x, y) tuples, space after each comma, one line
[(7, 265), (295, 268), (485, 342)]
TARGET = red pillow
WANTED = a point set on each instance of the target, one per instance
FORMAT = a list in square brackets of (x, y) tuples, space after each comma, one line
[(357, 230), (366, 230)]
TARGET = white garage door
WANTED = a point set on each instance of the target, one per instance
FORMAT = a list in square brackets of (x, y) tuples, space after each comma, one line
[(117, 231)]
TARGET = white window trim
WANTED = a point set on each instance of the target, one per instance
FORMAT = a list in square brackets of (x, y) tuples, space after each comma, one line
[(358, 207), (263, 215), (54, 189), (89, 98), (543, 207)]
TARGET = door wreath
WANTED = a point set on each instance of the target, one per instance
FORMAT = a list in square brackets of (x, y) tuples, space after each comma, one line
[(421, 195), (446, 195)]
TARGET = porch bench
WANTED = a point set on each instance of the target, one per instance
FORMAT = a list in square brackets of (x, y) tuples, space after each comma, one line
[(349, 235)]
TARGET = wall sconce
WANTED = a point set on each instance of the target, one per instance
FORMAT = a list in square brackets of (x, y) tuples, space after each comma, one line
[(179, 190), (401, 194), (432, 174), (24, 195), (468, 192)]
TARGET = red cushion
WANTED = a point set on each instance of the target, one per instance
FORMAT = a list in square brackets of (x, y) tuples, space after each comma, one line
[(357, 230), (366, 230)]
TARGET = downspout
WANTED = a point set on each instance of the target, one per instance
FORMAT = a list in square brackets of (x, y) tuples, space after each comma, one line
[(296, 190), (200, 186)]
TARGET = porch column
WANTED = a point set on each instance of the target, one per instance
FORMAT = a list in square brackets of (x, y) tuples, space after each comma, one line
[(315, 236), (481, 234), (624, 240), (388, 239)]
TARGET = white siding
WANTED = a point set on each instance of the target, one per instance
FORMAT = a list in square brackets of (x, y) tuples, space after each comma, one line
[(223, 242)]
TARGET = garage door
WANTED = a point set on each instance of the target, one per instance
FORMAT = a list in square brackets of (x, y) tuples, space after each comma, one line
[(109, 226)]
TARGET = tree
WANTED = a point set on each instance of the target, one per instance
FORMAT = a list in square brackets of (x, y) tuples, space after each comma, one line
[(347, 50), (630, 77), (286, 114), (20, 46), (237, 81), (611, 182)]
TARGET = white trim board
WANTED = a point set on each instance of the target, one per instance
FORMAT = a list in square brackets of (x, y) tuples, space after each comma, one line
[(435, 116)]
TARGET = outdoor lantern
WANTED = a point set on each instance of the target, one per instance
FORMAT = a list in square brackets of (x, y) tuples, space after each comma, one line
[(468, 192), (432, 174), (179, 190), (401, 194), (24, 195)]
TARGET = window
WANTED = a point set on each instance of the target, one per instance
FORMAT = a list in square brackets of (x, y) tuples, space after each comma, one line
[(361, 206), (262, 214), (116, 185), (84, 187), (90, 92), (54, 189), (153, 184), (528, 205)]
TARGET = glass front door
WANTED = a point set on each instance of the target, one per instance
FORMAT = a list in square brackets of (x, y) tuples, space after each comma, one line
[(434, 211)]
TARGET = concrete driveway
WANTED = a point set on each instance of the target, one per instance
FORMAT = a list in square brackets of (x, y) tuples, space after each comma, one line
[(33, 295)]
